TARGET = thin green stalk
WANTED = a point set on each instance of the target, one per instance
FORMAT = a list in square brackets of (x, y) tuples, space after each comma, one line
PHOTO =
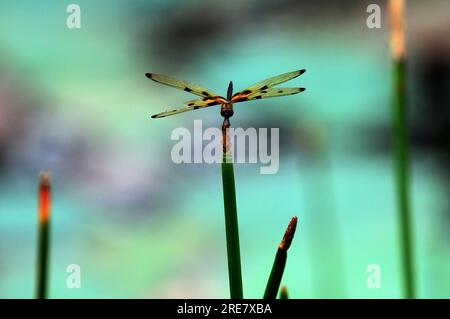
[(400, 126), (42, 270), (273, 284), (328, 272), (284, 293), (231, 221), (43, 236), (402, 176)]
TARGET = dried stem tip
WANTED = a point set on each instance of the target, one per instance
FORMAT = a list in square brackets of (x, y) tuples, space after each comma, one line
[(44, 197), (397, 24), (288, 235), (284, 293)]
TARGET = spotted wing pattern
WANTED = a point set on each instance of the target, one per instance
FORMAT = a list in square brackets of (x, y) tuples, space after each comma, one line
[(266, 85), (260, 90), (193, 105), (182, 85), (273, 92)]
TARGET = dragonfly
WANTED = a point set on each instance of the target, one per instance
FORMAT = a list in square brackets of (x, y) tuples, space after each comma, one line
[(261, 90)]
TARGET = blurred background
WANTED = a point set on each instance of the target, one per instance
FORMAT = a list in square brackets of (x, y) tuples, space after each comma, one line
[(76, 102)]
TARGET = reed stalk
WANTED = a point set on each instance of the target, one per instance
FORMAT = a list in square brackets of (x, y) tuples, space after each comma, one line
[(400, 127), (273, 284), (44, 214), (231, 219)]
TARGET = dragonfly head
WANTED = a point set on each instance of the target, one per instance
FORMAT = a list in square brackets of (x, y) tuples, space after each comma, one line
[(227, 110)]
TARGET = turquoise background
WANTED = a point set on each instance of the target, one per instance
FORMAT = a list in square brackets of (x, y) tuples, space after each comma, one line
[(76, 102)]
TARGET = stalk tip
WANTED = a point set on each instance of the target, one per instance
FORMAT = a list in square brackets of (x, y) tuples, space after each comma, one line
[(397, 24), (289, 234), (44, 179), (44, 196), (284, 292)]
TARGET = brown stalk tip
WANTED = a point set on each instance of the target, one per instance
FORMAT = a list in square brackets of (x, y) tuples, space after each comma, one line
[(289, 234), (44, 179), (397, 24), (45, 201), (284, 292)]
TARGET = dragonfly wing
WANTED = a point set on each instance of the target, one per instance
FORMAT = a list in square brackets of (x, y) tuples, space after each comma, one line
[(265, 84), (182, 85), (172, 112), (192, 105), (273, 92), (208, 101)]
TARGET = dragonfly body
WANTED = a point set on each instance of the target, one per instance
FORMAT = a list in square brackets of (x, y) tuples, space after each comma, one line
[(260, 90), (226, 109)]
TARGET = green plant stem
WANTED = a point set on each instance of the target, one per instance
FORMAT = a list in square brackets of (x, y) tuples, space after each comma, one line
[(402, 175), (231, 224), (273, 284), (328, 273), (44, 212), (43, 257)]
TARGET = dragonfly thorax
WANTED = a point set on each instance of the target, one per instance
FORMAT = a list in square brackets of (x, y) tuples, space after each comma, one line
[(226, 110)]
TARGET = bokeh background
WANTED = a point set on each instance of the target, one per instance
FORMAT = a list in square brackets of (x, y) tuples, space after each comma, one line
[(76, 102)]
